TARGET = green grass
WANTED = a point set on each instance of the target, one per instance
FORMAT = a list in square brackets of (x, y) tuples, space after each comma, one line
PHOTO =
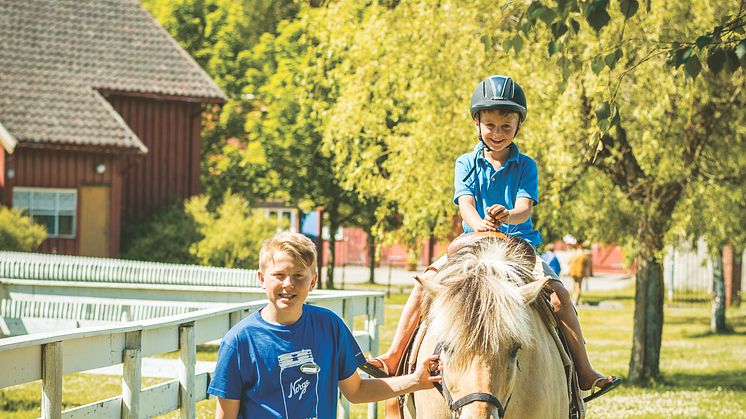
[(703, 375)]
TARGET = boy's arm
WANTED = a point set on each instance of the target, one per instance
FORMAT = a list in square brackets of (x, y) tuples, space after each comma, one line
[(227, 408), (467, 207), (360, 390)]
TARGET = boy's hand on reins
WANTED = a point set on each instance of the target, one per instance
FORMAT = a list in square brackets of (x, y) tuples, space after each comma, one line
[(486, 224), (498, 213)]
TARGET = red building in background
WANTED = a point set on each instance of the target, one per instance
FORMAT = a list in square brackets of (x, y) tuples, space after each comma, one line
[(100, 119)]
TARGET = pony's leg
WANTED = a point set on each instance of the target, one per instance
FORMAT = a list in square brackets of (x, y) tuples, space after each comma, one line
[(410, 318), (570, 326)]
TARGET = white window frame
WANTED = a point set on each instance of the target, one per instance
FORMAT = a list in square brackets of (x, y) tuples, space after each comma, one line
[(338, 235), (279, 213), (30, 213)]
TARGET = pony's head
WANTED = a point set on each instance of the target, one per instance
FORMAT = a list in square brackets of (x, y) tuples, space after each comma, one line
[(479, 313)]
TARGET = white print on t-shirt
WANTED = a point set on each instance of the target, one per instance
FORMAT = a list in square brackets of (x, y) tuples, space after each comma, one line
[(305, 385), (298, 388)]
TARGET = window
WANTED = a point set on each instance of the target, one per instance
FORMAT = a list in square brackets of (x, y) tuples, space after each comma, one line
[(284, 214), (338, 235), (53, 208)]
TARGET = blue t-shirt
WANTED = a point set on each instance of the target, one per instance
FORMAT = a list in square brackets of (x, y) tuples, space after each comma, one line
[(517, 178), (259, 363)]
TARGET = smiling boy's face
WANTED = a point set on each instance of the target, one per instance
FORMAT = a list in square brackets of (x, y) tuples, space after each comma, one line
[(287, 284), (498, 128)]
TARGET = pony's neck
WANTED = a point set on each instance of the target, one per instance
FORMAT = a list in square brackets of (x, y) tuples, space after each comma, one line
[(540, 385)]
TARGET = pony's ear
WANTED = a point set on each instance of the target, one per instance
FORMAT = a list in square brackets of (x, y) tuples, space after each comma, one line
[(532, 290), (432, 288)]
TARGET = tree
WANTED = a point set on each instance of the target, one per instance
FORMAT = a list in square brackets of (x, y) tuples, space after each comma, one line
[(651, 147), (164, 236), (232, 235), (401, 113), (638, 123), (18, 233), (295, 90)]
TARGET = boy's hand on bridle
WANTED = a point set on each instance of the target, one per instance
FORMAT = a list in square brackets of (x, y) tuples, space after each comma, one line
[(429, 371), (487, 224)]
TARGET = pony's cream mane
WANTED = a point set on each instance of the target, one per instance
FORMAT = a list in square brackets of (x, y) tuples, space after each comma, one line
[(479, 309)]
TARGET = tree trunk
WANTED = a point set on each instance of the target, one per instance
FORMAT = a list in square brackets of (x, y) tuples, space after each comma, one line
[(717, 321), (732, 275), (648, 323), (737, 269), (649, 293), (333, 225), (371, 256), (320, 247), (430, 249)]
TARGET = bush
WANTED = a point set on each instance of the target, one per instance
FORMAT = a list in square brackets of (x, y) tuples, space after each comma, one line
[(232, 235), (18, 233), (164, 237)]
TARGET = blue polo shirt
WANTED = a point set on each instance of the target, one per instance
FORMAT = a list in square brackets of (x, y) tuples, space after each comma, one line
[(518, 178)]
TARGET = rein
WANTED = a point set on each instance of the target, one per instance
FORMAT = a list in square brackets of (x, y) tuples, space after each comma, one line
[(457, 405)]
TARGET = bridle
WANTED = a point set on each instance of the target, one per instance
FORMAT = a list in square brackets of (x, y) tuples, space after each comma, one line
[(457, 405)]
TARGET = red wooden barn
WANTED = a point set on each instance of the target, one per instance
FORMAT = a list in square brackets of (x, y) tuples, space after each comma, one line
[(100, 118)]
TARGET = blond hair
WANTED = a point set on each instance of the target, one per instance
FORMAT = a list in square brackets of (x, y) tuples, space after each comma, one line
[(299, 247), (501, 112)]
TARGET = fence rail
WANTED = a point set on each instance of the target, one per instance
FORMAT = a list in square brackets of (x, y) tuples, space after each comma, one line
[(49, 356), (17, 265)]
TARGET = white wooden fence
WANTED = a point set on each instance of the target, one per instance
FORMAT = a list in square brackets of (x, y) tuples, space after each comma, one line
[(687, 271), (49, 356), (61, 292), (37, 266)]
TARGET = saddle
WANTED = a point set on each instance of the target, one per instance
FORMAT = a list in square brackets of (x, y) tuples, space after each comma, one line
[(407, 364)]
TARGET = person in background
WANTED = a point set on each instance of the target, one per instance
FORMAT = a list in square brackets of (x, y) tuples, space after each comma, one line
[(580, 267), (551, 258)]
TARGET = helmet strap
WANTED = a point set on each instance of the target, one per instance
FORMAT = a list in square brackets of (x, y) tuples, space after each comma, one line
[(479, 131)]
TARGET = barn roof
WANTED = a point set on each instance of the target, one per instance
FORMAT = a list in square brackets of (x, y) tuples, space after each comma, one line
[(59, 55)]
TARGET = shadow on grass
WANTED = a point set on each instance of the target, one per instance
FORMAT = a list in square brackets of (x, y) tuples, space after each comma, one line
[(207, 349), (687, 320), (709, 334), (10, 404), (733, 321), (731, 380), (594, 300)]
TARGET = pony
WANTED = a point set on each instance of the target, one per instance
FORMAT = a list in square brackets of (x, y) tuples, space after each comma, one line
[(498, 357)]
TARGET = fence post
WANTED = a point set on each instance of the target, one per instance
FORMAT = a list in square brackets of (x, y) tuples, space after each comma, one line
[(187, 358), (348, 319), (51, 383), (234, 317), (371, 326), (131, 375)]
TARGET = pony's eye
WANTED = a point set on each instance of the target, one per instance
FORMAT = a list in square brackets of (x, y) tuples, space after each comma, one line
[(514, 351)]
